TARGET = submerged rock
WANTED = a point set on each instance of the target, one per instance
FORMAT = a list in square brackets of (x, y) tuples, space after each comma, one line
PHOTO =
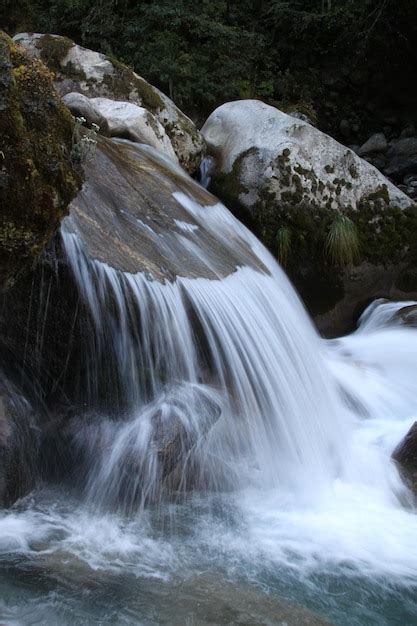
[(38, 177), (405, 455), (407, 315), (343, 231), (78, 69), (19, 445)]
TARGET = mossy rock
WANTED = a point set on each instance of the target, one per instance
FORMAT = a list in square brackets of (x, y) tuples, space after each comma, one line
[(37, 177), (93, 74)]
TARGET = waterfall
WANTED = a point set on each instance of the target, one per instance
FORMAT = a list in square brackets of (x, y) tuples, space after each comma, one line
[(170, 351), (206, 169), (216, 444)]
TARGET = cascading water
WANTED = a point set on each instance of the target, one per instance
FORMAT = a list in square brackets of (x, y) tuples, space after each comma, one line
[(206, 169), (245, 339), (218, 388)]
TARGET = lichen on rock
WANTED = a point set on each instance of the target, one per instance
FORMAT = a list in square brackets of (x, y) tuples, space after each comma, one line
[(96, 75), (37, 178), (280, 174)]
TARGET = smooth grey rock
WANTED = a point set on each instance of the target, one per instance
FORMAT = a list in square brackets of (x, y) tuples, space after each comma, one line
[(81, 106), (408, 131), (127, 120), (402, 157), (410, 179), (300, 116), (405, 455), (19, 444), (261, 138), (375, 143)]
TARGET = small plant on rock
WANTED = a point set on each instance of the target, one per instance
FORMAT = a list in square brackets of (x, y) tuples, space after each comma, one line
[(342, 243), (84, 142), (283, 241)]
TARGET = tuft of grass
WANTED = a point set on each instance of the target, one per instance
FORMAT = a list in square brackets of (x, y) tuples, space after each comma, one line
[(283, 242), (342, 242)]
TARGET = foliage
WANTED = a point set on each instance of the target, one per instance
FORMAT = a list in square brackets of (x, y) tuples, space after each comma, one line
[(332, 54), (342, 242), (84, 142)]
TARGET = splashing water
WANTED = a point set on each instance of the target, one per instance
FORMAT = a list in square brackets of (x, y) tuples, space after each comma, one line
[(222, 388), (206, 169)]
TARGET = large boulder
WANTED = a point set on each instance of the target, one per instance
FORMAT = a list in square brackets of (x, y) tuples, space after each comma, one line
[(38, 176), (343, 231), (132, 122), (78, 69), (131, 216)]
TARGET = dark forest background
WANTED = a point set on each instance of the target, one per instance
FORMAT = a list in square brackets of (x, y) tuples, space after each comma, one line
[(349, 65)]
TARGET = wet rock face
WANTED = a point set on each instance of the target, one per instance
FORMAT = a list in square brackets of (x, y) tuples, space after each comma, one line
[(128, 216), (405, 455), (407, 316), (19, 444), (37, 177), (301, 191), (92, 74)]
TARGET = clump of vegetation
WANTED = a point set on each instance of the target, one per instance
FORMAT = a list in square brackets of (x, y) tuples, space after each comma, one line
[(342, 243), (283, 242), (84, 142)]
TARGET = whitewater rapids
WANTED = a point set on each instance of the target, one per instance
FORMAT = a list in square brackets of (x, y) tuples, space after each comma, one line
[(301, 497)]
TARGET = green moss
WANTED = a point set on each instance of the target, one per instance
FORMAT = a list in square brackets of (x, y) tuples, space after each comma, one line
[(291, 197), (329, 169), (54, 50), (123, 82), (388, 234), (353, 171), (380, 194), (385, 234), (37, 178), (228, 185)]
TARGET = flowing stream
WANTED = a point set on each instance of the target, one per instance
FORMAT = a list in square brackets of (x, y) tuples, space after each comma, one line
[(240, 465)]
